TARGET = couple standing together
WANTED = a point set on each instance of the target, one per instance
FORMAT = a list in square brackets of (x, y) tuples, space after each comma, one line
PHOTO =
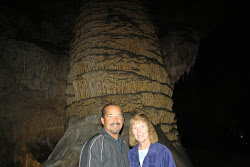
[(108, 149)]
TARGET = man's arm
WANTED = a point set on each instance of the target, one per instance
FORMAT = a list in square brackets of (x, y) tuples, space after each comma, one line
[(91, 152)]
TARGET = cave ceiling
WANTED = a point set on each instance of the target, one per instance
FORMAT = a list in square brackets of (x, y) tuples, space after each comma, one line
[(29, 17)]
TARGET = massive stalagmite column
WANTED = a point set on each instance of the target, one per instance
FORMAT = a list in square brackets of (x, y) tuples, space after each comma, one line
[(115, 57)]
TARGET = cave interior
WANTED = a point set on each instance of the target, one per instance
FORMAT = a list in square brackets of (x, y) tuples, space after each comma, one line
[(211, 100)]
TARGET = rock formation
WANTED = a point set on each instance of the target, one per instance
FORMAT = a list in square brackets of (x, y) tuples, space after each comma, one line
[(115, 57), (32, 100), (49, 94)]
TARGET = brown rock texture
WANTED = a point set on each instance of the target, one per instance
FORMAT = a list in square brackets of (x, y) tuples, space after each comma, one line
[(116, 57), (180, 50), (32, 101)]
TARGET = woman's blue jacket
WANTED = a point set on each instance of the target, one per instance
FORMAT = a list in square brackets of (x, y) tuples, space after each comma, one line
[(158, 156)]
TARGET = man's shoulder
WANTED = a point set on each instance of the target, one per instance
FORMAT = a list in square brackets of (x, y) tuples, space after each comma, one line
[(94, 138)]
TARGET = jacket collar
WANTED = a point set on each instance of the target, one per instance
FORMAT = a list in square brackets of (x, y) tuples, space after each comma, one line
[(118, 142), (152, 149)]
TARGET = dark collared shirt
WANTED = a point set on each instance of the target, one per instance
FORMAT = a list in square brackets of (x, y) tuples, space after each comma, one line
[(118, 142)]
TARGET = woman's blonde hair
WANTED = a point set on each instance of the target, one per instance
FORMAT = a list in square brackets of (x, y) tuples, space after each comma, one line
[(153, 137)]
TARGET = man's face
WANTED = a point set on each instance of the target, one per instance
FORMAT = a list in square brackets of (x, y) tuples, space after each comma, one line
[(113, 120)]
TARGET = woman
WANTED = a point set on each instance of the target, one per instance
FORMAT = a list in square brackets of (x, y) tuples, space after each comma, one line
[(146, 151)]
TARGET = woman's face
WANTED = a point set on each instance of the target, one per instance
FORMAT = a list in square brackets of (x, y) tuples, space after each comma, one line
[(140, 131)]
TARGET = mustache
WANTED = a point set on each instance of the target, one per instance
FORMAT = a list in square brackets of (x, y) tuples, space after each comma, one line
[(117, 123)]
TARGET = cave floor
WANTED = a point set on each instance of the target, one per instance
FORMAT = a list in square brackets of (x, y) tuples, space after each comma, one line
[(219, 157)]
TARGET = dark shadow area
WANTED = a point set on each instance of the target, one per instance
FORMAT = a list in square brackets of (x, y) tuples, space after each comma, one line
[(7, 157), (42, 148), (212, 102)]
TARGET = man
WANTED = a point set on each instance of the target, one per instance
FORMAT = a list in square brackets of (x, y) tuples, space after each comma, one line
[(106, 149)]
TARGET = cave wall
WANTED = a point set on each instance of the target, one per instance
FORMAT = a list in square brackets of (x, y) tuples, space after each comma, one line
[(41, 96), (33, 71), (32, 100)]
